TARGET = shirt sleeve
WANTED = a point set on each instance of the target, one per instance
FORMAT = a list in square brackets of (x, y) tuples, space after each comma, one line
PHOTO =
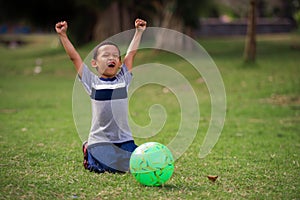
[(87, 79), (126, 74)]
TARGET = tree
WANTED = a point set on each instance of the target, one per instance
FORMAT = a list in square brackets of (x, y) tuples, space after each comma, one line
[(178, 15), (97, 20), (250, 46), (114, 16), (109, 17)]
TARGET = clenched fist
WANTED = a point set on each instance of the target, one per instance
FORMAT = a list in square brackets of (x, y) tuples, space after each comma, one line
[(140, 24), (61, 27)]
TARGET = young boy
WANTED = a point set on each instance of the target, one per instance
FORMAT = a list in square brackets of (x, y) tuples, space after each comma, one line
[(110, 141)]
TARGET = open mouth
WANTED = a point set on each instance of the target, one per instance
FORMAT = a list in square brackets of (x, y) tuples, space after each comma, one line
[(112, 64)]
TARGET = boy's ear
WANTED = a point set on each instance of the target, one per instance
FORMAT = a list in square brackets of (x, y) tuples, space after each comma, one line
[(120, 64), (94, 63)]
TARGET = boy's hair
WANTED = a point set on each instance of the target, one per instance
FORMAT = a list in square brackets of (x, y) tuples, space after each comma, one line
[(103, 44)]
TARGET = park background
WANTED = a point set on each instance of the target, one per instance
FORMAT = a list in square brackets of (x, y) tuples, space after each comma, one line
[(257, 155)]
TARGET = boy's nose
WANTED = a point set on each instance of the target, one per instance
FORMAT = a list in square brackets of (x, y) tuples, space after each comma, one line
[(111, 57)]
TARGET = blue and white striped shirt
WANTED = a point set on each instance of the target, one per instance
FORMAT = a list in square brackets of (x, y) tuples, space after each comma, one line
[(109, 106)]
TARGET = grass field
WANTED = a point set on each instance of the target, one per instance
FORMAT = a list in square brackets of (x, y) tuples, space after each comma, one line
[(256, 157)]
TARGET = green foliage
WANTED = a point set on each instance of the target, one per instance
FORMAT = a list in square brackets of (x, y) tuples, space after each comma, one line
[(190, 10), (256, 157), (297, 17)]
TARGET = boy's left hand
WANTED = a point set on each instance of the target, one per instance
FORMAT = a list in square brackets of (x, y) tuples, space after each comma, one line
[(140, 24)]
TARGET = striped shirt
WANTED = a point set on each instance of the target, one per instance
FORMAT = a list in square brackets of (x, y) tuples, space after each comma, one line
[(109, 106)]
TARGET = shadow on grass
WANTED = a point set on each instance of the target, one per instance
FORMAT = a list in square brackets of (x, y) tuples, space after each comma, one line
[(177, 187), (248, 65)]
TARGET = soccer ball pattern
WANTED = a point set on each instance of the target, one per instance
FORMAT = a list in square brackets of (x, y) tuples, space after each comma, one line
[(152, 164)]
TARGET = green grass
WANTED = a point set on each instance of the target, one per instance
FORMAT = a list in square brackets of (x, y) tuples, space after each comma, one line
[(256, 157)]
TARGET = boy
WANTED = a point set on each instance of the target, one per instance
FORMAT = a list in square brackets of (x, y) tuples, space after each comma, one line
[(110, 141)]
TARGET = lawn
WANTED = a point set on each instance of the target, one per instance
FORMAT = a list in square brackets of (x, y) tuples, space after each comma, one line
[(256, 157)]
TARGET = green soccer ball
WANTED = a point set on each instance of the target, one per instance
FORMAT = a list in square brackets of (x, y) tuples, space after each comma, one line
[(152, 164)]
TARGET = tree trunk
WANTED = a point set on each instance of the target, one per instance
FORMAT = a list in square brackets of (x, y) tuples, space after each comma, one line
[(167, 11), (250, 46), (171, 21), (111, 21)]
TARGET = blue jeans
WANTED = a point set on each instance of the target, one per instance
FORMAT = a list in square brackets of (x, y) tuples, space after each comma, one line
[(110, 157)]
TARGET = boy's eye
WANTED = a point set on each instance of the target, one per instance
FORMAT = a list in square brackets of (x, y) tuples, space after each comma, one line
[(107, 55)]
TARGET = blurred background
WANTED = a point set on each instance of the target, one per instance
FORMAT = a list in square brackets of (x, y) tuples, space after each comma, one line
[(257, 156), (195, 18)]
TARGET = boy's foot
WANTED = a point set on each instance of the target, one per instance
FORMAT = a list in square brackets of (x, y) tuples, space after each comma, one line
[(85, 154)]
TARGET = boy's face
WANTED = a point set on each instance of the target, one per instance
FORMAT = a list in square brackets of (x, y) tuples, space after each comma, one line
[(108, 61)]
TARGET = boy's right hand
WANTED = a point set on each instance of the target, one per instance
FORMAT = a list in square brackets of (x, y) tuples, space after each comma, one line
[(61, 27)]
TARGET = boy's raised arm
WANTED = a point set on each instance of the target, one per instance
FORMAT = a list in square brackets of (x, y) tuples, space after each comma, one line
[(61, 29), (140, 26)]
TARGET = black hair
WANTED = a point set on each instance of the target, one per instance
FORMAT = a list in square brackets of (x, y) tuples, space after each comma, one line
[(103, 44)]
